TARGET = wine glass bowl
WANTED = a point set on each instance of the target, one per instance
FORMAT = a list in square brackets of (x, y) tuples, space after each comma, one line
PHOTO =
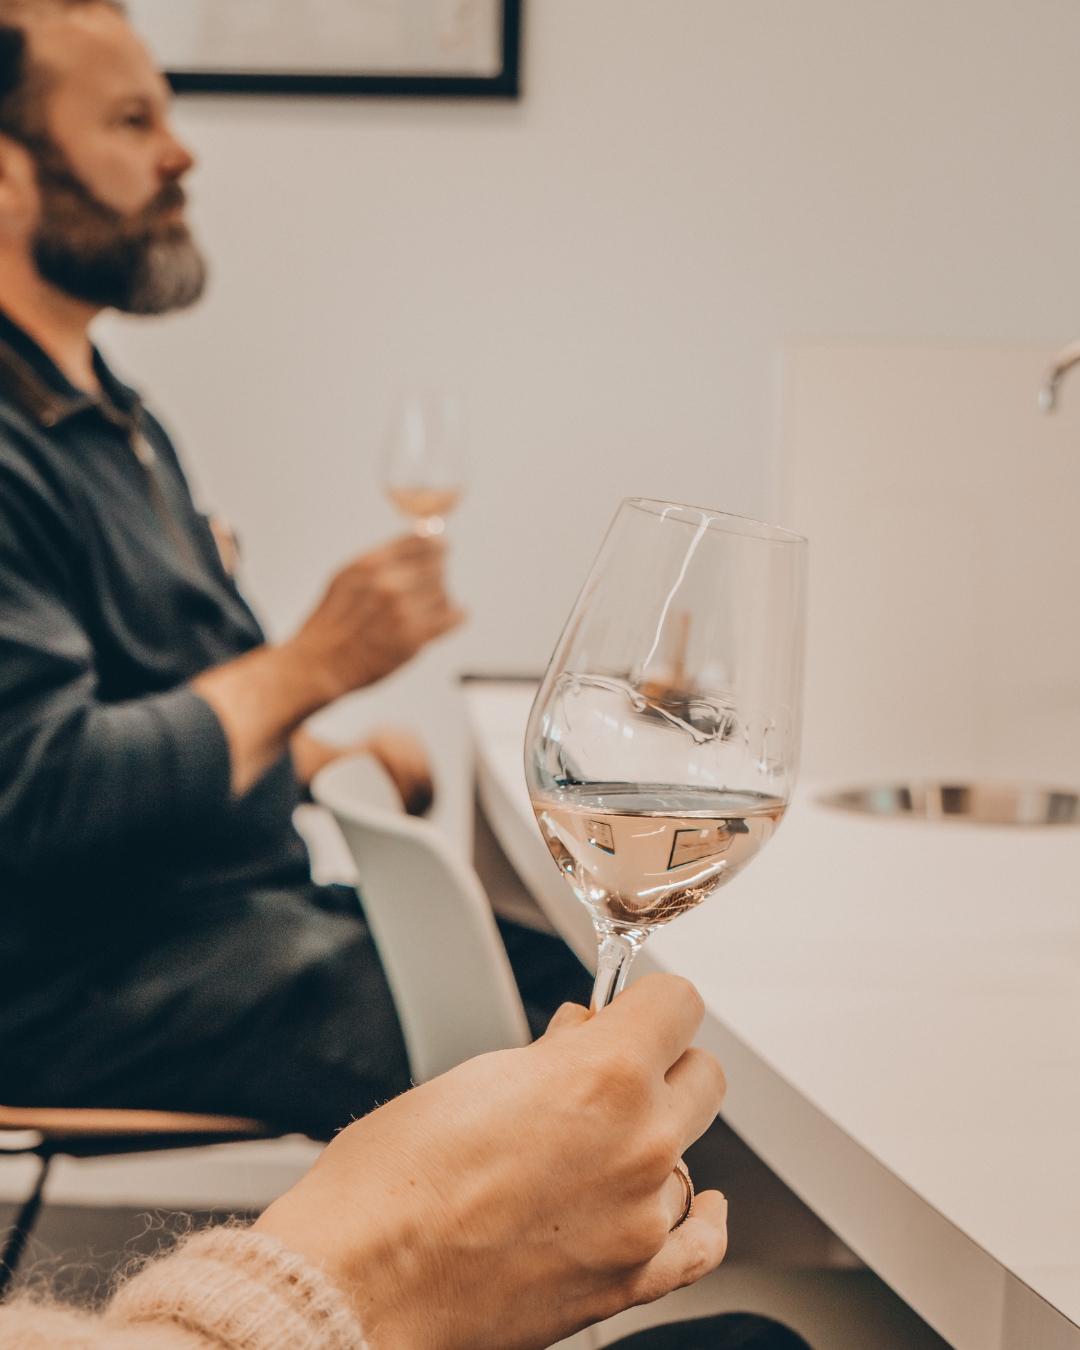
[(663, 743), (426, 507), (424, 465)]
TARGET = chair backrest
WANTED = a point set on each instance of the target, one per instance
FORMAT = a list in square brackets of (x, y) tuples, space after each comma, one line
[(432, 923), (331, 858)]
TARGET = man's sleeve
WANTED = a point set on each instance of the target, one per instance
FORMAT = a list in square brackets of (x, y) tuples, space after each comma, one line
[(84, 782)]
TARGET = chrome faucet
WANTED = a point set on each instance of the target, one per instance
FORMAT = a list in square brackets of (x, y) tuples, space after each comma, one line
[(1067, 357)]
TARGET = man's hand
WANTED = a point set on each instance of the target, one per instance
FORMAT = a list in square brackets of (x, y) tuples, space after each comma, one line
[(404, 758), (377, 613), (400, 753), (527, 1193)]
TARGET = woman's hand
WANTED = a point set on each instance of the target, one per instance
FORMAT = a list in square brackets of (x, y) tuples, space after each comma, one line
[(526, 1193)]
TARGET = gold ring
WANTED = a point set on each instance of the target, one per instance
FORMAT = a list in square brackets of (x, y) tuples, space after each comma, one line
[(684, 1176)]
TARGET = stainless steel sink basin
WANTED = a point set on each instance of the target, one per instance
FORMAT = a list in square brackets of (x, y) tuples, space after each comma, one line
[(974, 803)]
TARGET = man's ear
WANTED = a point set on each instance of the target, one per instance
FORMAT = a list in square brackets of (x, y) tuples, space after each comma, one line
[(20, 201)]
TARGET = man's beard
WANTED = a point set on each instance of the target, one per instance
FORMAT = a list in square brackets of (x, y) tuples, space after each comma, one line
[(142, 263)]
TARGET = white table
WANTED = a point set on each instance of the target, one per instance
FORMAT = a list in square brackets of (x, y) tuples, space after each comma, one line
[(897, 1007)]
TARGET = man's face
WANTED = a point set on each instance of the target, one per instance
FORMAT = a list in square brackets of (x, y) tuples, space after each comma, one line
[(111, 228)]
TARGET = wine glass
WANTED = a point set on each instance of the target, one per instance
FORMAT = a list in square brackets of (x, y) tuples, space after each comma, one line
[(664, 740), (424, 465)]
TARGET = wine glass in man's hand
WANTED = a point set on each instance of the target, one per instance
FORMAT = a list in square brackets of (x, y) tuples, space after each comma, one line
[(424, 466)]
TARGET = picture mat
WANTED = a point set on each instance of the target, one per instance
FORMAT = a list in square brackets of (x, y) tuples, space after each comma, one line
[(324, 37)]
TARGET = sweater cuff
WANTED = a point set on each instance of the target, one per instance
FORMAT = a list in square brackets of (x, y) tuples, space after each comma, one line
[(243, 1290)]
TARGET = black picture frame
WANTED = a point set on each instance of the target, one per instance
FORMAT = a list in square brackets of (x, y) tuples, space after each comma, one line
[(504, 85)]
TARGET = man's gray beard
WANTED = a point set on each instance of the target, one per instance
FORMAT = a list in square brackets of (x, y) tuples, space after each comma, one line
[(91, 251), (171, 275)]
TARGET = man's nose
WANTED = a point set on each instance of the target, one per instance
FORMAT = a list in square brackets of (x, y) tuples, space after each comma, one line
[(177, 159)]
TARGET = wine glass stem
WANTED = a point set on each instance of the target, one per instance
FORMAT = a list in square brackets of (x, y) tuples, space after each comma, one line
[(612, 967)]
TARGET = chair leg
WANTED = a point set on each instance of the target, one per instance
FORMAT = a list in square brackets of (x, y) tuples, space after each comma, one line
[(24, 1226)]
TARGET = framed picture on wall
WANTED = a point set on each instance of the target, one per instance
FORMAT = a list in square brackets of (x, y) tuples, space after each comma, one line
[(419, 48)]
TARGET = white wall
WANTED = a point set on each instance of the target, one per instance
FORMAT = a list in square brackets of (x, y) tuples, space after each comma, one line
[(606, 271), (942, 508)]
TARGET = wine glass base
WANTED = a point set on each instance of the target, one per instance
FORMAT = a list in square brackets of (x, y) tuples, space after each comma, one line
[(427, 526)]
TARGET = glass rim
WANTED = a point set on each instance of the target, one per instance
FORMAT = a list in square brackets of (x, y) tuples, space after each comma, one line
[(719, 520)]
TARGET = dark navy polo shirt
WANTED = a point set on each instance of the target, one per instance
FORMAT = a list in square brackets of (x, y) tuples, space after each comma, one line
[(117, 824)]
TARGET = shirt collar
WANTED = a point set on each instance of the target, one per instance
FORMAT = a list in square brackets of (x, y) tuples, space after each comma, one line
[(33, 380)]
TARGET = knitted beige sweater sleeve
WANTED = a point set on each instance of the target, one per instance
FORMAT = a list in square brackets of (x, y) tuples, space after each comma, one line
[(225, 1289)]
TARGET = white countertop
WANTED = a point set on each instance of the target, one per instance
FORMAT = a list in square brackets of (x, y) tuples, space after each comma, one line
[(898, 1008)]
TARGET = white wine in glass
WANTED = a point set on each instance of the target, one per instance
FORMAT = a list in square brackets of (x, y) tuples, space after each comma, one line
[(663, 743), (424, 466)]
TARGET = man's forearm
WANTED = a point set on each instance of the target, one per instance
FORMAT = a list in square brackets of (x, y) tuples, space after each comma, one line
[(260, 699), (376, 614), (85, 781)]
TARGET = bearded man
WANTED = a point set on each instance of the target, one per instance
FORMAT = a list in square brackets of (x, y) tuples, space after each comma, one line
[(162, 944)]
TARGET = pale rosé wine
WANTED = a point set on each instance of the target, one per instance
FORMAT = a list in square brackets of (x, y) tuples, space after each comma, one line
[(424, 503), (641, 854)]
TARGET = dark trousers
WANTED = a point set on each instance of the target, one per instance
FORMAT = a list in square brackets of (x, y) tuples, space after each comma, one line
[(725, 1331), (274, 1005)]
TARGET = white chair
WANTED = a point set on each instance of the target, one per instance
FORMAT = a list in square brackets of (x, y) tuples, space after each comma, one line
[(432, 923)]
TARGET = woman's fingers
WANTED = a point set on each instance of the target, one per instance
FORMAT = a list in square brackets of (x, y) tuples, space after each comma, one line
[(659, 1013), (692, 1250), (697, 1084), (698, 1245), (568, 1016), (673, 1197)]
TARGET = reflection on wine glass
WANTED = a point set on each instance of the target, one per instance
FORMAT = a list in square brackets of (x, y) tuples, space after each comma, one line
[(663, 743), (424, 466)]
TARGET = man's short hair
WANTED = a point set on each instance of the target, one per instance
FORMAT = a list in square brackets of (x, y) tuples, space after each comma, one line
[(21, 87)]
